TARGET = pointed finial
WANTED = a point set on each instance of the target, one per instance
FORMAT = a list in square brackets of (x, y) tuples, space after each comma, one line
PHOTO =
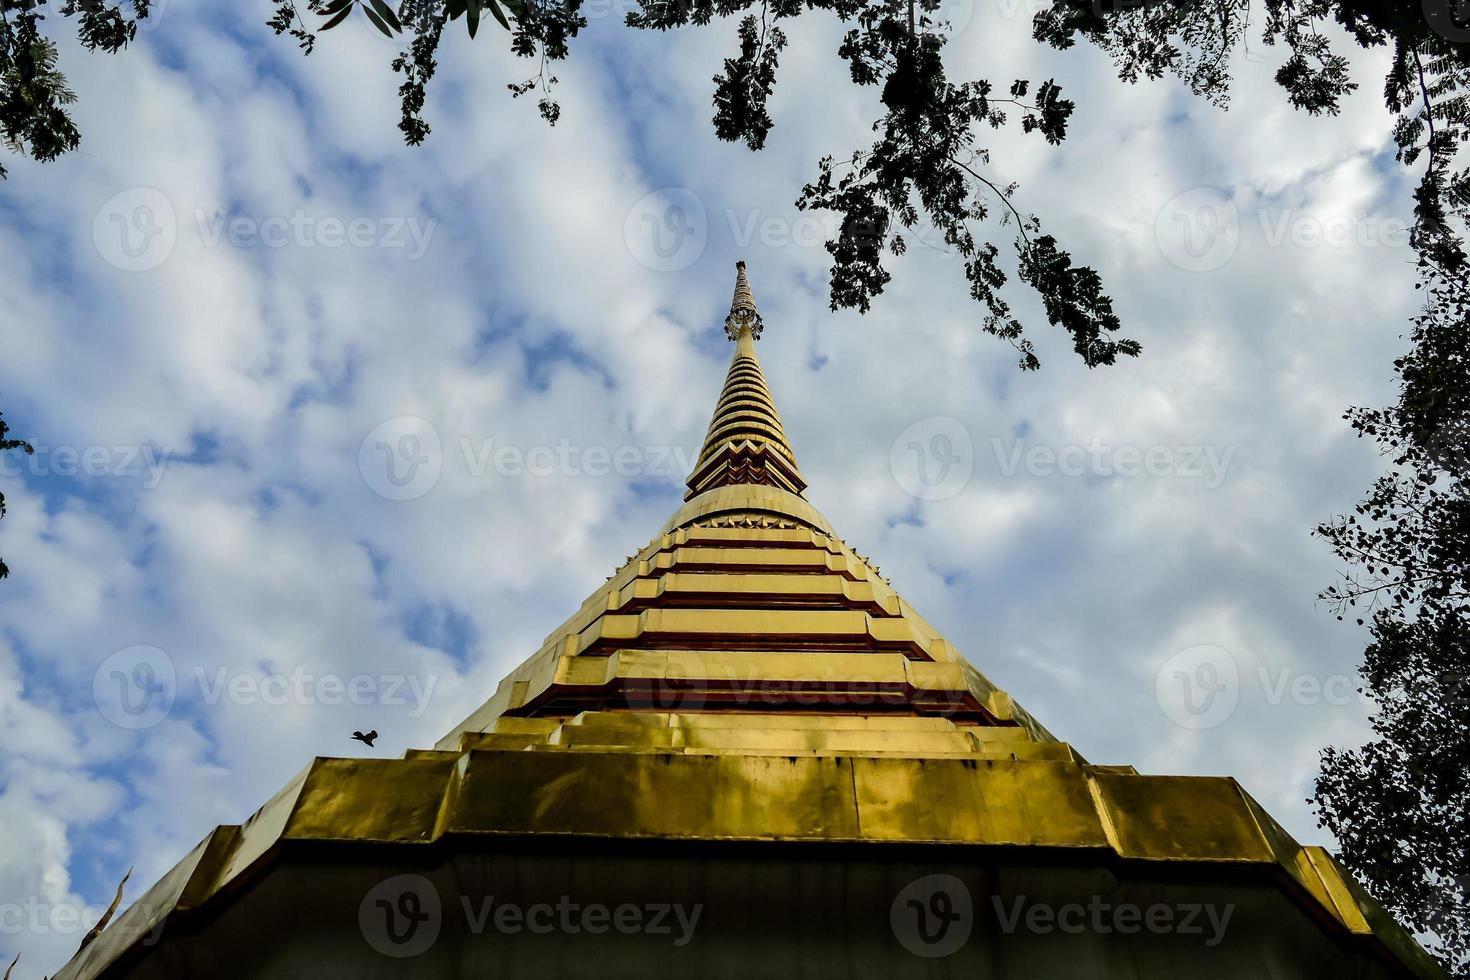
[(742, 308), (746, 443)]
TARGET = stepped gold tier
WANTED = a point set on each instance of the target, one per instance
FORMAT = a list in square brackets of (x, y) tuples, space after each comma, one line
[(746, 755)]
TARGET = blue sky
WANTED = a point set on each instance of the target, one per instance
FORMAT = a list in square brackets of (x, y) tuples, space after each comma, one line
[(237, 391)]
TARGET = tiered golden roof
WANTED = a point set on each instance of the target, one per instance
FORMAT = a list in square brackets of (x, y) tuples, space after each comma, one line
[(748, 676), (747, 601), (746, 444)]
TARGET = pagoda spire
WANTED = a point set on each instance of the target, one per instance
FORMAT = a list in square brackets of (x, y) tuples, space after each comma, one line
[(743, 313), (746, 443)]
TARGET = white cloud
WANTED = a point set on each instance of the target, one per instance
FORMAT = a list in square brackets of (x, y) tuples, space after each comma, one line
[(528, 321)]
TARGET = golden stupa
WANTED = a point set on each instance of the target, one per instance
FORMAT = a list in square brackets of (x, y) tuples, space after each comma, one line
[(746, 756)]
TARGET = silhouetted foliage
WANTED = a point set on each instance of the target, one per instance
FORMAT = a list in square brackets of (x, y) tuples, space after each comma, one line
[(1400, 805), (1427, 86), (926, 169), (8, 444), (33, 92)]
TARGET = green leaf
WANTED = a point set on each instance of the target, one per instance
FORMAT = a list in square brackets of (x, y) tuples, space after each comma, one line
[(472, 12), (456, 8), (496, 13), (339, 18), (336, 7), (386, 12), (378, 22)]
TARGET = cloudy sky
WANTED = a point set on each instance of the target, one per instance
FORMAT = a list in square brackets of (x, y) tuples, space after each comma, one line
[(312, 408)]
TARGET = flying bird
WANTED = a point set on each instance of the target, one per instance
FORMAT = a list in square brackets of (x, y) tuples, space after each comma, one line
[(366, 738)]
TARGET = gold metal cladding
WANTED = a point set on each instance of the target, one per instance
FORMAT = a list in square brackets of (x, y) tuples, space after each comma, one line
[(744, 607), (1082, 816), (836, 630), (744, 317), (723, 588), (774, 734), (720, 681), (746, 443), (754, 499)]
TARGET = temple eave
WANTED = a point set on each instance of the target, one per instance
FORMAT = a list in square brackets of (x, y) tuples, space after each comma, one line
[(1097, 817)]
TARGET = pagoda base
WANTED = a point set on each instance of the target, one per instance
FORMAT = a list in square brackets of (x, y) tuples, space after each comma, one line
[(823, 864), (524, 907)]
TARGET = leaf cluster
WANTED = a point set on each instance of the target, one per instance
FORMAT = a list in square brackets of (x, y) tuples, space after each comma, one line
[(1400, 804), (34, 96), (925, 173), (9, 444)]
